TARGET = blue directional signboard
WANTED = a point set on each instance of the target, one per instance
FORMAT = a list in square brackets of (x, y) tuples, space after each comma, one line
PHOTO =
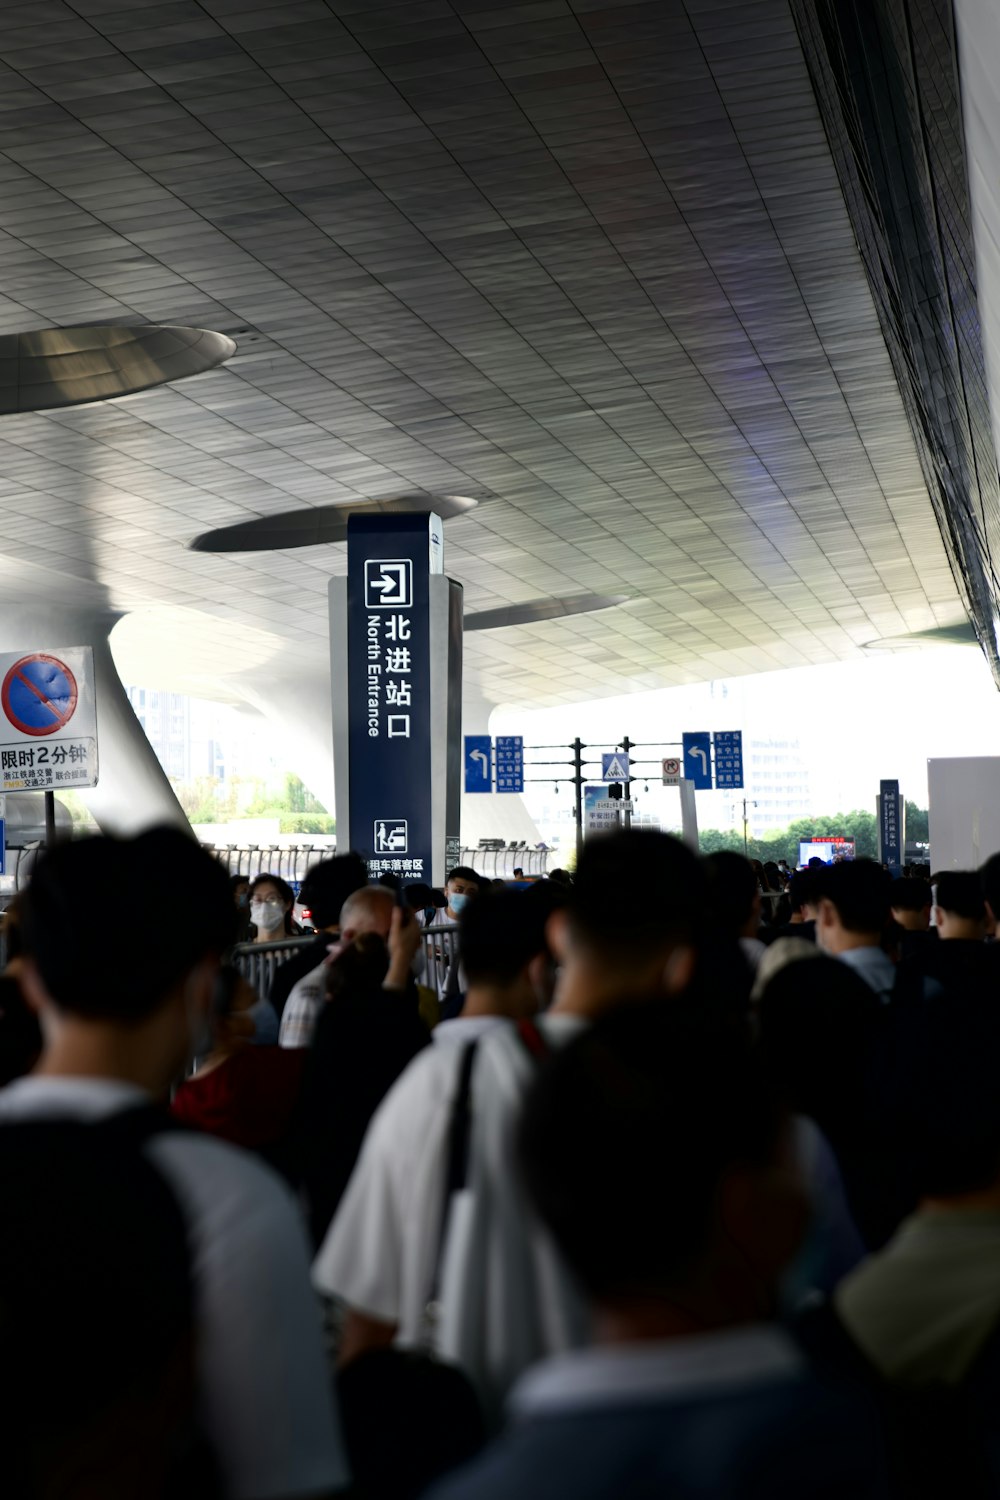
[(697, 759), (889, 829), (510, 763), (389, 693), (614, 767), (728, 757), (478, 763)]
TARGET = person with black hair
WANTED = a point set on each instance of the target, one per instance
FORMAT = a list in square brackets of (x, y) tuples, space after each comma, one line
[(381, 1254), (239, 884), (20, 1033), (925, 1310), (366, 1031), (121, 1019), (852, 914), (821, 1031), (989, 878), (631, 926), (959, 907), (688, 1387), (734, 901), (910, 903), (803, 902), (958, 961), (325, 889), (272, 907), (243, 1090), (368, 908), (462, 886)]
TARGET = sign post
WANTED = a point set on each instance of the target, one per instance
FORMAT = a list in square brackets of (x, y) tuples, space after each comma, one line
[(3, 836), (396, 649), (890, 823)]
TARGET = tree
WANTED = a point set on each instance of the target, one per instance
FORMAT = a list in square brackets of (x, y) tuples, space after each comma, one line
[(917, 824), (858, 825)]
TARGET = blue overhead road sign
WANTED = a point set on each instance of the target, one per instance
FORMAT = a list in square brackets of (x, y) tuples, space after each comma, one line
[(478, 763), (510, 763), (697, 760), (728, 757)]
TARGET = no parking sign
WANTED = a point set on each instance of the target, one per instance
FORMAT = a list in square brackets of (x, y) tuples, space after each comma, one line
[(48, 720)]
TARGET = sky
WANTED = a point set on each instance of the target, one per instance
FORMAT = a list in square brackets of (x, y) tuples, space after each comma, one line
[(857, 723)]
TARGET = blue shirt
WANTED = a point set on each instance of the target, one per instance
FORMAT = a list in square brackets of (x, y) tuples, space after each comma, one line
[(734, 1415)]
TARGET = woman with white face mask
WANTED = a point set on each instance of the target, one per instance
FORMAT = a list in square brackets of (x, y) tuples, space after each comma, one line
[(271, 903)]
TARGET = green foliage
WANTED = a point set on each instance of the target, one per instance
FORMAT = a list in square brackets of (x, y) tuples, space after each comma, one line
[(201, 800), (917, 829), (858, 825), (307, 823), (206, 799)]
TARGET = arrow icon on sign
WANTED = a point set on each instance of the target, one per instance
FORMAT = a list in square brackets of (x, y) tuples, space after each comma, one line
[(697, 750), (390, 580), (483, 760)]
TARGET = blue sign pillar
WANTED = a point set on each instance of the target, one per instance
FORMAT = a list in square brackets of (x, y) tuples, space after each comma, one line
[(889, 823), (396, 639)]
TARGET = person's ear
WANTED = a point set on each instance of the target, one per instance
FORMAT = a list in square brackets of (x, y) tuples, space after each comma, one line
[(765, 1213), (557, 935), (35, 994), (826, 913), (678, 971), (538, 976)]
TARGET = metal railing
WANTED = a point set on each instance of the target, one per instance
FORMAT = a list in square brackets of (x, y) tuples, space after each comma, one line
[(499, 861), (290, 862), (257, 962)]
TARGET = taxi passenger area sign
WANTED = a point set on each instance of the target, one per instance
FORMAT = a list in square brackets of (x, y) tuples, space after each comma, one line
[(48, 720)]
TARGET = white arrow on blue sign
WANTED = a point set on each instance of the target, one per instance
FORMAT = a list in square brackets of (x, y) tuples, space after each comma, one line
[(478, 763), (697, 758)]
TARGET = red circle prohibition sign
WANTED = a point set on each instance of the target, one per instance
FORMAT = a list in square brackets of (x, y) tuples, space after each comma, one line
[(39, 695)]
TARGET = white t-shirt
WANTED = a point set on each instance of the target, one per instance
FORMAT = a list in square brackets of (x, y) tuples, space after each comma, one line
[(264, 1387), (302, 1009), (507, 1298), (381, 1251)]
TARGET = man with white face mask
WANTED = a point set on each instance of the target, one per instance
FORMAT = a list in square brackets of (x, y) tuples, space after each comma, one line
[(121, 1020)]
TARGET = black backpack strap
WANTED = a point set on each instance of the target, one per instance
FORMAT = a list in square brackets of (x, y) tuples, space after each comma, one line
[(459, 1135)]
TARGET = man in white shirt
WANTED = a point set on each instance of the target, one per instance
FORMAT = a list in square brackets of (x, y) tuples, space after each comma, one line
[(851, 916), (381, 1253), (662, 1167), (367, 910), (628, 933), (121, 1015)]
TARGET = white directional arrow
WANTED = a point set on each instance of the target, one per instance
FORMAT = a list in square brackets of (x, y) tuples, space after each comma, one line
[(483, 760), (390, 580), (697, 750)]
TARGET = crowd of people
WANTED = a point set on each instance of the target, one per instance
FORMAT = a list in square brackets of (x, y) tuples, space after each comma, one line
[(684, 1183)]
